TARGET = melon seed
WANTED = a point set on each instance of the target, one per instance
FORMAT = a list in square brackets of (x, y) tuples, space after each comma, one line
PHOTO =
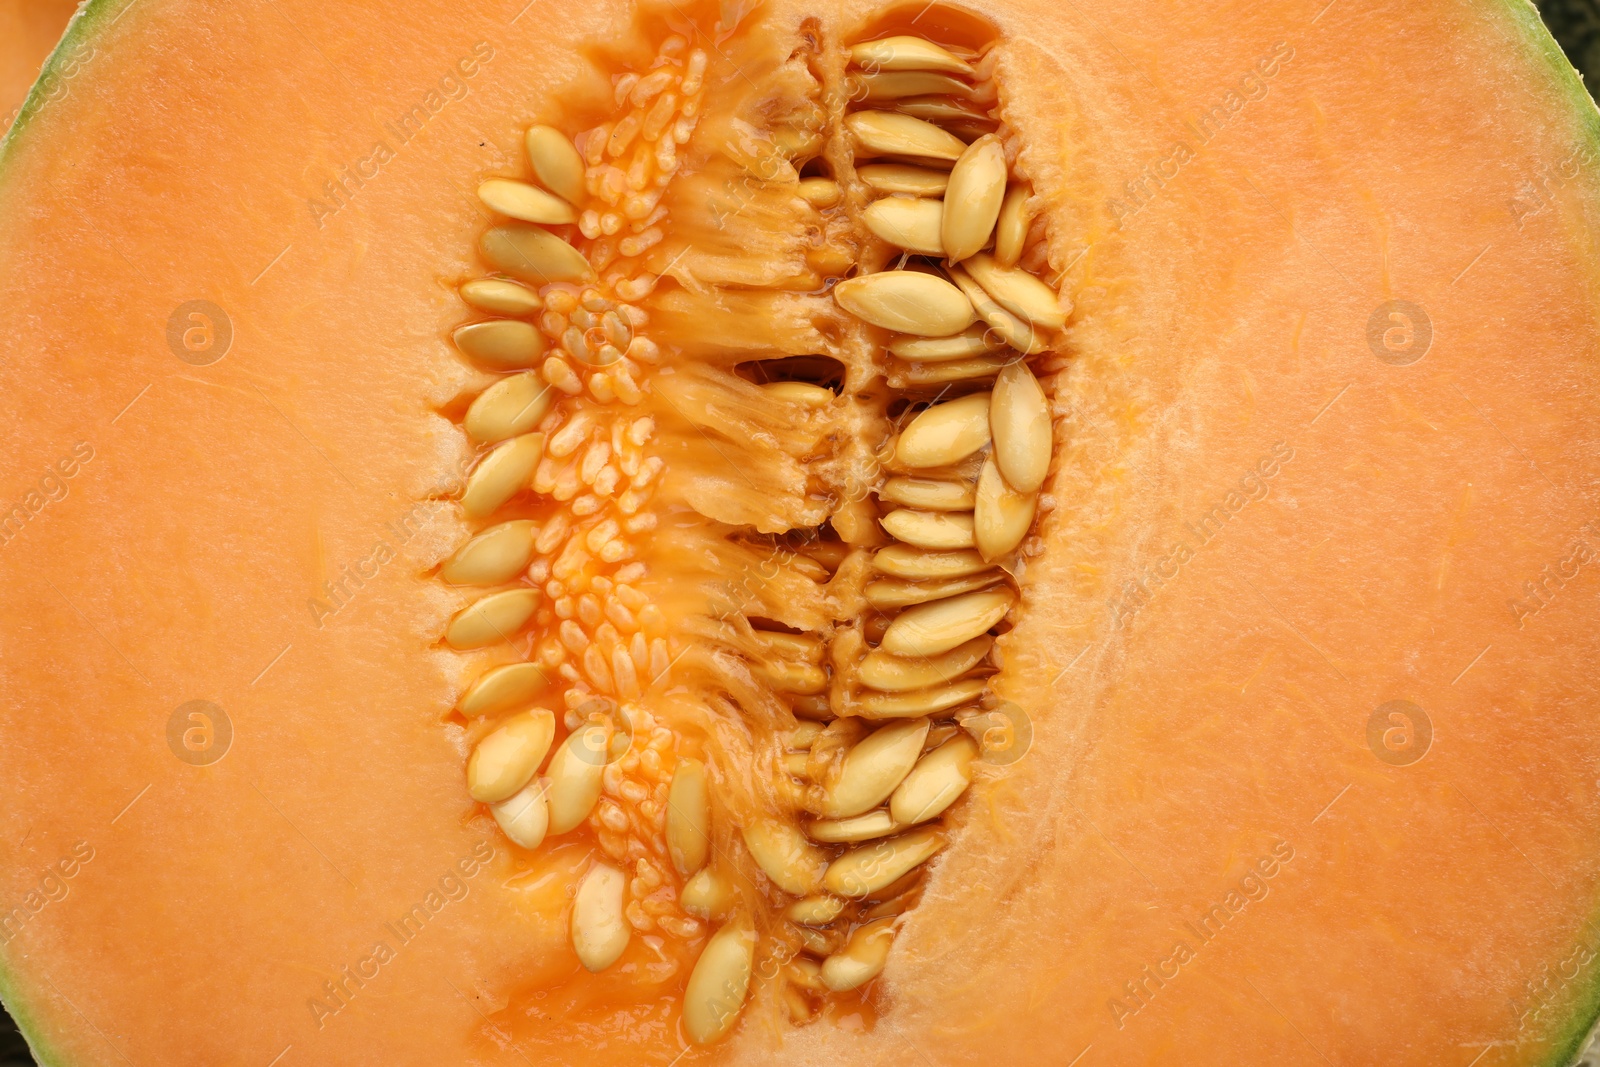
[(814, 911), (873, 768), (907, 302), (945, 433), (1002, 515), (935, 782), (930, 494), (782, 852), (556, 164), (501, 474), (506, 759), (873, 824), (888, 133), (1011, 228), (524, 816), (492, 619), (929, 629), (903, 561), (509, 343), (870, 867), (802, 393), (576, 774), (897, 85), (1018, 333), (972, 202), (707, 895), (861, 959), (519, 200), (512, 405), (502, 688), (493, 557), (903, 178), (907, 53), (501, 296), (820, 192), (533, 254), (975, 340), (886, 593), (896, 674), (1017, 291), (923, 375), (929, 529), (718, 984), (600, 930), (688, 817), (1019, 419), (922, 701), (909, 222)]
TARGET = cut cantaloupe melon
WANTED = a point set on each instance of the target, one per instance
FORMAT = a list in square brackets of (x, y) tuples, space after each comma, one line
[(29, 29), (653, 533)]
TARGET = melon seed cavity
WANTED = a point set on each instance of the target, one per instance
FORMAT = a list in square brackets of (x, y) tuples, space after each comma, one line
[(764, 345)]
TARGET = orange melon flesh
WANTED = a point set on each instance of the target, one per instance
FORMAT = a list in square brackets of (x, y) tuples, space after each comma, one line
[(29, 29), (1195, 713)]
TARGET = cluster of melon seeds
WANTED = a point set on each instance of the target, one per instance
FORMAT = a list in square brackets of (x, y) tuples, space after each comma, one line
[(756, 479)]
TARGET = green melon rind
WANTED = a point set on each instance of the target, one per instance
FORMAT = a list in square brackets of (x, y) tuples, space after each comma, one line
[(95, 15), (88, 20)]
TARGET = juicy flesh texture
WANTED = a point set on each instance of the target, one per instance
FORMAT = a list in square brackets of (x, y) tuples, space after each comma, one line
[(1426, 913)]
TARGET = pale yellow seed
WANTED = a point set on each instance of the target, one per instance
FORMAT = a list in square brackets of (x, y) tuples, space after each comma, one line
[(868, 868), (903, 561), (719, 984), (1002, 515), (820, 192), (502, 688), (889, 593), (803, 735), (954, 115), (507, 758), (906, 301), (556, 164), (512, 405), (493, 557), (600, 929), (533, 254), (972, 202), (903, 178), (976, 340), (873, 768), (1018, 292), (920, 375), (873, 824), (908, 222), (814, 911), (576, 774), (930, 494), (1011, 228), (897, 85), (781, 850), (945, 433), (501, 296), (519, 200), (803, 393), (936, 782), (808, 647), (501, 474), (1017, 332), (689, 817), (1019, 420), (501, 342), (929, 529), (492, 619), (907, 53), (922, 701), (929, 629), (862, 959), (708, 895), (897, 674), (889, 133), (524, 816)]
